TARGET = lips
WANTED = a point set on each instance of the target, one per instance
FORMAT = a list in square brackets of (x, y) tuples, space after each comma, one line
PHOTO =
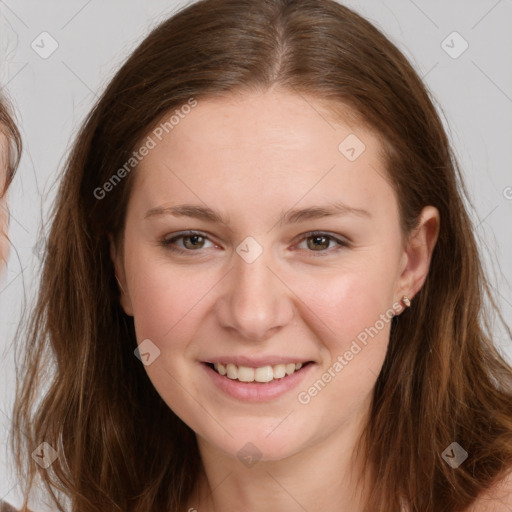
[(254, 391)]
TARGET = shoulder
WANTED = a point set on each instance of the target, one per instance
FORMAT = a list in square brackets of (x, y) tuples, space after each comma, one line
[(6, 507), (498, 498)]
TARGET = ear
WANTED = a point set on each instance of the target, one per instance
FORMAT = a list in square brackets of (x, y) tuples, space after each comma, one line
[(117, 260), (418, 253)]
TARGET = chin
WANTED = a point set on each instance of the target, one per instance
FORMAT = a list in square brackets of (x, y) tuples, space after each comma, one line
[(255, 444)]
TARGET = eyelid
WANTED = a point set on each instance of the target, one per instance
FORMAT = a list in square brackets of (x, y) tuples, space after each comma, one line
[(342, 242), (167, 241), (333, 236)]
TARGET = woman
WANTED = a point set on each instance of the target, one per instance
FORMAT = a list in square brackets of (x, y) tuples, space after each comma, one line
[(261, 288), (10, 150)]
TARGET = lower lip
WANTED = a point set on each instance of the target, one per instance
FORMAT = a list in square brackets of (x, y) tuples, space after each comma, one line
[(257, 391)]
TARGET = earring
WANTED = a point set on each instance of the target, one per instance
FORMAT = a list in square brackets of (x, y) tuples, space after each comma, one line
[(406, 301)]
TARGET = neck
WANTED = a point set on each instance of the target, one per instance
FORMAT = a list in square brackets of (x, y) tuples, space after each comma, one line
[(322, 476)]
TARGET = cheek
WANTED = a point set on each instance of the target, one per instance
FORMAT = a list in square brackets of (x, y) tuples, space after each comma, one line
[(167, 304), (165, 298), (352, 309), (353, 317), (348, 301)]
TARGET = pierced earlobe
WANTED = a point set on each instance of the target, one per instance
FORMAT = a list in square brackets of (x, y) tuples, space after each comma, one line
[(406, 302)]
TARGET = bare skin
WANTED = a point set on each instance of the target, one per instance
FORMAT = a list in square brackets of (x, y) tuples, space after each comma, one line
[(251, 159)]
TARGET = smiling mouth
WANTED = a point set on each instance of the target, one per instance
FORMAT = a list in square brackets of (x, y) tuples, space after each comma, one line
[(259, 375)]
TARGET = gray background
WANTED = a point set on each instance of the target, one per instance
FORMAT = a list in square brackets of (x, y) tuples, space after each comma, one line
[(53, 94)]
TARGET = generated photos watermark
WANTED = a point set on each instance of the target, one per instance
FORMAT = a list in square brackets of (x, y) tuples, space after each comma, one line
[(150, 143), (304, 397)]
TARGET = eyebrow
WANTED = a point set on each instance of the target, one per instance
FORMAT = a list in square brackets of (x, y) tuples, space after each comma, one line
[(287, 217)]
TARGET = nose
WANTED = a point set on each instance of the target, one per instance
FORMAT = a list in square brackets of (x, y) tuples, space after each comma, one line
[(255, 302)]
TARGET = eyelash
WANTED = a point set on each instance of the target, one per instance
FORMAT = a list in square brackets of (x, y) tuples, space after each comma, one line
[(168, 243)]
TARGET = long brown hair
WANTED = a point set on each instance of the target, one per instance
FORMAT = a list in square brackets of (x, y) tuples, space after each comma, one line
[(119, 446)]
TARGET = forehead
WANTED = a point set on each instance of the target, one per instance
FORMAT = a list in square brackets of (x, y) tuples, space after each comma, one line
[(290, 124), (276, 146)]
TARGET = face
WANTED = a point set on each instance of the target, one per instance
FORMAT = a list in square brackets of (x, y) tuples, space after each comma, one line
[(284, 277), (4, 245)]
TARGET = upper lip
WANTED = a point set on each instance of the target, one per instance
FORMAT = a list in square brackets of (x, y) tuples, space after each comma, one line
[(257, 362)]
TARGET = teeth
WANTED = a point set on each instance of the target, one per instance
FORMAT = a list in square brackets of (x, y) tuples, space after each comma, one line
[(262, 374), (245, 374), (279, 371), (232, 371)]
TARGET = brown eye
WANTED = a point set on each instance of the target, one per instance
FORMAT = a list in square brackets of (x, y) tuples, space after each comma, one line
[(195, 241), (186, 242), (318, 242)]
